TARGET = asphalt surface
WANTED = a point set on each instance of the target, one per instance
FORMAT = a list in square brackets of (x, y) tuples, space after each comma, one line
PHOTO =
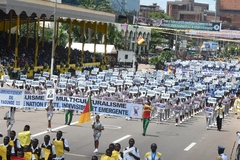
[(190, 140)]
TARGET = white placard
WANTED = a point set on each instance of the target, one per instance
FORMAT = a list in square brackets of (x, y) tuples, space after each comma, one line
[(63, 80), (45, 74), (42, 79), (11, 97), (50, 94), (94, 72), (49, 83), (19, 83), (23, 77), (54, 77), (28, 81), (62, 85), (96, 69), (35, 83), (78, 72), (37, 75), (9, 82), (68, 74), (62, 76)]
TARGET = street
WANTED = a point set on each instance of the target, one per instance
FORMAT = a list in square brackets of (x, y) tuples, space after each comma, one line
[(189, 140)]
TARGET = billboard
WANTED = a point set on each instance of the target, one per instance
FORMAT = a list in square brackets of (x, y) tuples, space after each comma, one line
[(222, 34), (174, 24), (211, 45)]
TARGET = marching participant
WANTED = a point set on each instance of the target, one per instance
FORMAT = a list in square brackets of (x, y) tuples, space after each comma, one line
[(60, 144), (48, 148), (146, 116), (177, 109), (37, 152), (131, 152), (160, 111), (167, 105), (220, 115), (9, 116), (209, 110), (6, 150), (14, 142), (116, 154), (49, 109)]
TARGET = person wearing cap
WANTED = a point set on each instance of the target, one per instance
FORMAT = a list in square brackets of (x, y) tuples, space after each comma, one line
[(220, 115), (221, 155), (153, 154), (146, 115)]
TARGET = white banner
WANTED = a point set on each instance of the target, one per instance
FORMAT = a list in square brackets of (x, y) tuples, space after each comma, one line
[(11, 97), (78, 103)]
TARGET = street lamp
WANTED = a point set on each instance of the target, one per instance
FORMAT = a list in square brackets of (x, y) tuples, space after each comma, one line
[(54, 36), (135, 46)]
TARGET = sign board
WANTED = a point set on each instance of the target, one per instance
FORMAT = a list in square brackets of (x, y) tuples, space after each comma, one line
[(37, 75), (11, 97), (23, 77), (35, 83), (9, 82), (28, 81), (62, 85), (174, 24), (49, 83), (19, 83), (45, 74)]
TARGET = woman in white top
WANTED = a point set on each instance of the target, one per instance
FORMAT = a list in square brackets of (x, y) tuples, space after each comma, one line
[(9, 116), (49, 110)]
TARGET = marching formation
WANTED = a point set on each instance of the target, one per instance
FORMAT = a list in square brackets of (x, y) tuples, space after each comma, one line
[(163, 95)]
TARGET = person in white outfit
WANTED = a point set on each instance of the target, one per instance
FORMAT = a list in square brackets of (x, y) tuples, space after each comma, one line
[(221, 155), (131, 152), (9, 116)]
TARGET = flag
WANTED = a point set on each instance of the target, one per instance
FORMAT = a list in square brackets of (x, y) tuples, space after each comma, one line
[(86, 113), (140, 40), (169, 69)]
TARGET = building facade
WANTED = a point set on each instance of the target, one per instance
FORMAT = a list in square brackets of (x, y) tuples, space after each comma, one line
[(145, 9), (188, 10), (229, 11), (131, 34)]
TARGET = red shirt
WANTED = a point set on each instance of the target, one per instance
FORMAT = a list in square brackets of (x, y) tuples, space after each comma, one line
[(146, 113)]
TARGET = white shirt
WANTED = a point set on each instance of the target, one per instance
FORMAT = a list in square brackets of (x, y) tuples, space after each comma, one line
[(10, 114), (224, 157), (17, 143), (238, 134), (33, 150), (134, 151)]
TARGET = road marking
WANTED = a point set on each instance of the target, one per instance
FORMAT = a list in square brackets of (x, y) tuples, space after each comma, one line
[(120, 139), (112, 127), (77, 155), (54, 129), (189, 147)]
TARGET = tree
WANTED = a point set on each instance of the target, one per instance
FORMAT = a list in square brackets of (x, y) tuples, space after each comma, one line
[(157, 36), (159, 15), (103, 5), (158, 61)]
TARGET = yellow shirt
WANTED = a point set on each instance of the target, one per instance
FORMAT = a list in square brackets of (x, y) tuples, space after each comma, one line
[(105, 157)]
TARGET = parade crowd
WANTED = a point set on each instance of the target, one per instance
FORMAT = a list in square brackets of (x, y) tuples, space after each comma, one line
[(196, 96)]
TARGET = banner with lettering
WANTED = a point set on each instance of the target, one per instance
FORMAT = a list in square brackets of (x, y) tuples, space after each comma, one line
[(78, 103), (11, 97)]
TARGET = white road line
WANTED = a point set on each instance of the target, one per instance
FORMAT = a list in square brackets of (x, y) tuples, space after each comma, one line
[(54, 129), (189, 147), (120, 139), (57, 128)]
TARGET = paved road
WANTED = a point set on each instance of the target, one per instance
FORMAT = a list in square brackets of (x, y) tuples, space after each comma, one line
[(189, 140)]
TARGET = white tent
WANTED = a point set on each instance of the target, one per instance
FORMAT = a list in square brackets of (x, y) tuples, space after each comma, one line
[(90, 47)]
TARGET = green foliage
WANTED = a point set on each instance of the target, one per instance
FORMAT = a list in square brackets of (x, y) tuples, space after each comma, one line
[(159, 15), (164, 57), (103, 5), (115, 37)]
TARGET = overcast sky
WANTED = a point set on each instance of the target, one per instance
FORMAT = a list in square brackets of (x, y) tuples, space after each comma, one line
[(163, 3)]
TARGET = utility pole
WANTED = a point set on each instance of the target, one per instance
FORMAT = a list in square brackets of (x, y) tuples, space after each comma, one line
[(53, 38)]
